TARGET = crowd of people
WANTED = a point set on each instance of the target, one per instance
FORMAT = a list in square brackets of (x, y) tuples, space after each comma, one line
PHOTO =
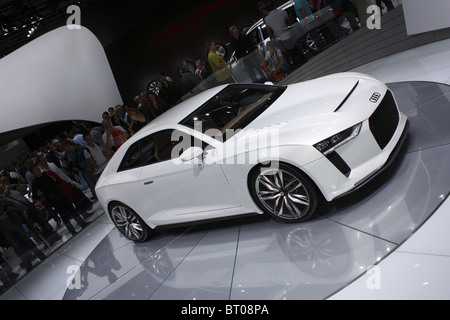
[(276, 62), (51, 190), (47, 195)]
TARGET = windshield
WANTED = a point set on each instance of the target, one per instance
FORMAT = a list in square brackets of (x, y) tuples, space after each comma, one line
[(232, 109)]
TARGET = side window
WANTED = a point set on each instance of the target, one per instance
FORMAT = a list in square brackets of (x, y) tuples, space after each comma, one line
[(147, 150), (157, 147), (164, 144), (181, 142), (138, 154)]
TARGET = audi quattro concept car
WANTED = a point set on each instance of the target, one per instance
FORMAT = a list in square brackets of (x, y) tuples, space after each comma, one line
[(252, 148)]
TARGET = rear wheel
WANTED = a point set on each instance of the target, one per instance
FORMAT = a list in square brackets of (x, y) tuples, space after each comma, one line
[(315, 41), (284, 192), (129, 223), (153, 87), (191, 68)]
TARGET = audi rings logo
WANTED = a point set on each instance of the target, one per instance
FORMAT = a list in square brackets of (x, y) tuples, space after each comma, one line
[(374, 98)]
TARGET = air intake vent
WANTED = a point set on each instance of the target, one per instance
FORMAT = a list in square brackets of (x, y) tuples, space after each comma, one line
[(384, 120), (339, 163)]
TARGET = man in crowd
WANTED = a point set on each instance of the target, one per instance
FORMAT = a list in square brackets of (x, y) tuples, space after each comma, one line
[(247, 53)]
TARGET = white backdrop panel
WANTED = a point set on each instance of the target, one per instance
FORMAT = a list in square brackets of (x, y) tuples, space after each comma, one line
[(62, 75), (426, 15)]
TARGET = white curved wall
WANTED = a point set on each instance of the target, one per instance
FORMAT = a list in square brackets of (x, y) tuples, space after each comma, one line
[(62, 75), (423, 16)]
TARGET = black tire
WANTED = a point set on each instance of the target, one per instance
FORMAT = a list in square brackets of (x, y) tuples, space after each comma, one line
[(128, 222), (299, 196), (152, 86), (191, 69), (313, 42)]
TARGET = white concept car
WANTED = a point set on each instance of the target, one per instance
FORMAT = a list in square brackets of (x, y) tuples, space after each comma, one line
[(253, 148)]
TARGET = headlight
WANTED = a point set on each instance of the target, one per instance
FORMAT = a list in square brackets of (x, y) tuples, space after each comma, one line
[(332, 143)]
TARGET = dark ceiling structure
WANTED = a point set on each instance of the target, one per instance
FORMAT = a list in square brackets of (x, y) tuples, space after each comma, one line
[(24, 20)]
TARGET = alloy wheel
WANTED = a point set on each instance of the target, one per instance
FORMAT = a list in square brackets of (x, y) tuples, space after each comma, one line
[(311, 43), (284, 194), (128, 223)]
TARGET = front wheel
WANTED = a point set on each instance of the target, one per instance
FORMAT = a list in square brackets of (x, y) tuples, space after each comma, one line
[(284, 192), (129, 223)]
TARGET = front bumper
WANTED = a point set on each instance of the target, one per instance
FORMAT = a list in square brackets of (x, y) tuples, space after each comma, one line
[(391, 159), (357, 162)]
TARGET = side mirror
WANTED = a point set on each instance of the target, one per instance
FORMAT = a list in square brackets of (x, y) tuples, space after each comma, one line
[(269, 83), (191, 153)]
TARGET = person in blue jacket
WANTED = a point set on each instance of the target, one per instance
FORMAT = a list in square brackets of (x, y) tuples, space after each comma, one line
[(302, 9)]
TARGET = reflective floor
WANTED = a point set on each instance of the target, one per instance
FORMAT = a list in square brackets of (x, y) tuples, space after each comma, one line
[(257, 258)]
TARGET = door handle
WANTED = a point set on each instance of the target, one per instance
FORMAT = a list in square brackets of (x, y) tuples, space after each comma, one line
[(148, 182)]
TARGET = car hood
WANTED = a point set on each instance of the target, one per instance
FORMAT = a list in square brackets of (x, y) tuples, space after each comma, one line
[(310, 98), (321, 107)]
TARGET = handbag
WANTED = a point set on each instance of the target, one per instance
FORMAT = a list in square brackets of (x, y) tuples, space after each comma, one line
[(278, 75)]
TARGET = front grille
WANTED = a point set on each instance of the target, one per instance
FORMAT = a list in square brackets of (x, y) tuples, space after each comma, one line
[(384, 121), (339, 163)]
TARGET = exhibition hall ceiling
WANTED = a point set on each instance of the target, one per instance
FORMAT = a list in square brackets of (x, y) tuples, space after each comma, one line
[(22, 21)]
